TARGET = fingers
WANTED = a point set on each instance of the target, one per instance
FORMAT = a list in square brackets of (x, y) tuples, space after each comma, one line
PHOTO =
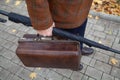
[(47, 32)]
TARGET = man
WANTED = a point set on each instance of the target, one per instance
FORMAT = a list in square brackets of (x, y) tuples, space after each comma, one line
[(69, 15)]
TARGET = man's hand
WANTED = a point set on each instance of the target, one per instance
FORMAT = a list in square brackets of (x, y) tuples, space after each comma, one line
[(46, 32)]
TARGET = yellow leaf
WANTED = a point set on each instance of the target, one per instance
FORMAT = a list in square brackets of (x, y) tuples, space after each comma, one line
[(90, 16), (97, 17), (114, 61), (110, 32), (99, 41), (99, 9), (7, 1), (106, 6), (38, 68), (32, 75), (17, 3), (13, 30), (25, 5), (98, 1)]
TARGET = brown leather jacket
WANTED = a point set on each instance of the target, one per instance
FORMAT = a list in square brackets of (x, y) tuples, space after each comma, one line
[(65, 13)]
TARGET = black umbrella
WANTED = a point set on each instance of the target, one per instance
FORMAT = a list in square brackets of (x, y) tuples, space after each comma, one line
[(26, 21)]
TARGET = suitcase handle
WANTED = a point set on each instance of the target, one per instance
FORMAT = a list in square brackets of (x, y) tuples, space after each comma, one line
[(44, 37), (36, 37)]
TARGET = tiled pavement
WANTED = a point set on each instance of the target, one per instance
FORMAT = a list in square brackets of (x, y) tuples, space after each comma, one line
[(96, 66)]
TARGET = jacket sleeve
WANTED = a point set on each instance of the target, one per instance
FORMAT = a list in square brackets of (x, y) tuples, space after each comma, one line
[(39, 14)]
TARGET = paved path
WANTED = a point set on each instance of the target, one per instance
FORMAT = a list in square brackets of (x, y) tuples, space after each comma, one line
[(96, 66)]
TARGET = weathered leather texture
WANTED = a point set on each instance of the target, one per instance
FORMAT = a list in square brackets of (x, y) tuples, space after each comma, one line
[(49, 53)]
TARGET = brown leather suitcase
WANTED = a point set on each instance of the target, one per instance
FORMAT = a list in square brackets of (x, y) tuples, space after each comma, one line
[(34, 52)]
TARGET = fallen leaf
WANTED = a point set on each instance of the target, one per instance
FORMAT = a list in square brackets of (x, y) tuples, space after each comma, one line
[(97, 17), (99, 41), (17, 3), (38, 68), (13, 30), (90, 16), (110, 32), (114, 61), (98, 1), (106, 6), (25, 5), (32, 75), (7, 1)]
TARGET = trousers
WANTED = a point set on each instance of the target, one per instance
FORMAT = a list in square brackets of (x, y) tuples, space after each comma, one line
[(80, 31)]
